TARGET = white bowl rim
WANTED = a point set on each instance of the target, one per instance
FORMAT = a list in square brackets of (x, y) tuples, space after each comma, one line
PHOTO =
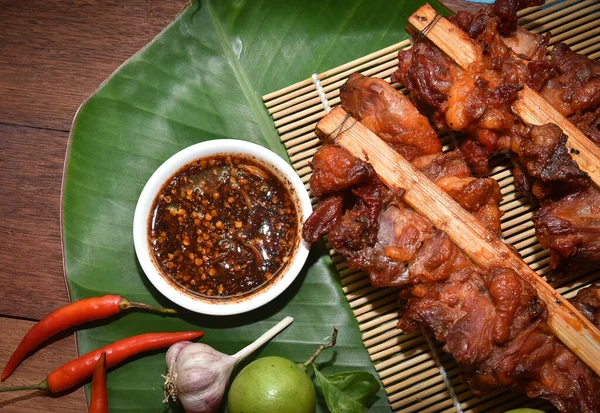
[(142, 212)]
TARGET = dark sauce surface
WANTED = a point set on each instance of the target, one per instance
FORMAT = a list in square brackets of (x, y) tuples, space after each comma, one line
[(223, 226)]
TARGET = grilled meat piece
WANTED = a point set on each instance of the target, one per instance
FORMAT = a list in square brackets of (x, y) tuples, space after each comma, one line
[(542, 151), (587, 302), (588, 123), (507, 10), (334, 170), (570, 227), (576, 87), (324, 217), (491, 321), (390, 115), (427, 73), (495, 327)]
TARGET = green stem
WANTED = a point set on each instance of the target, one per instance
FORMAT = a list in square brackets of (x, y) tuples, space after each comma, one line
[(42, 386), (304, 366), (126, 304)]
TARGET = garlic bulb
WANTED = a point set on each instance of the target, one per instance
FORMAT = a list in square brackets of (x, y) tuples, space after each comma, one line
[(198, 374)]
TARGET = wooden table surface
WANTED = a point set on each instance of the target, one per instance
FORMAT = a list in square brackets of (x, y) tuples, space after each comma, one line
[(53, 54)]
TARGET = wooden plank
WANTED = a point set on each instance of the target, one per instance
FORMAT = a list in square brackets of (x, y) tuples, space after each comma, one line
[(33, 370), (31, 274), (483, 247), (55, 53)]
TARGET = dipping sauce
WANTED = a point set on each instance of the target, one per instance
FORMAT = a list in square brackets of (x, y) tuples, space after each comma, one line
[(223, 226)]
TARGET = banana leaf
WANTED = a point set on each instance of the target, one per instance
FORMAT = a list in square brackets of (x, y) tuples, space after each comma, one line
[(201, 79)]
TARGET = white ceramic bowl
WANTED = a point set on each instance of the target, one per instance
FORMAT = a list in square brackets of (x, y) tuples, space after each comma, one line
[(178, 294)]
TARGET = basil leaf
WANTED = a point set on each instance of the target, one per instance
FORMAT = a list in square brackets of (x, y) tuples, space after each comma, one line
[(347, 392)]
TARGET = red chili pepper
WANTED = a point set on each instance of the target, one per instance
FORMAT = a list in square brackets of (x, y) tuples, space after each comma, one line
[(71, 315), (76, 371), (99, 398)]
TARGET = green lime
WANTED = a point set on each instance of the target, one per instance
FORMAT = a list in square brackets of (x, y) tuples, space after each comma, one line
[(524, 410), (271, 385)]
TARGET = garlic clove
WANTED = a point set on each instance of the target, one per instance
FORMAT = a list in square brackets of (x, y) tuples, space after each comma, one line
[(174, 350), (200, 375), (201, 389)]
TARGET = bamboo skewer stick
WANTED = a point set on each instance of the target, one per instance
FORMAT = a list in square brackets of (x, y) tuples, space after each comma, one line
[(530, 106), (483, 247)]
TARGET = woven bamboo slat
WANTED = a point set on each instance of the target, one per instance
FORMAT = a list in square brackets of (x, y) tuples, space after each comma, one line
[(406, 363)]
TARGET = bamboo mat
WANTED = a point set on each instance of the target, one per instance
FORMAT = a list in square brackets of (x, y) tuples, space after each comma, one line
[(416, 373)]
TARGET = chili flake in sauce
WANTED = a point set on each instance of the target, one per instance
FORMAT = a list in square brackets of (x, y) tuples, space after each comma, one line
[(223, 226)]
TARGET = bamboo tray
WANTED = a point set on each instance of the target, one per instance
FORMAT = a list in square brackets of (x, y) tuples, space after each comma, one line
[(416, 373)]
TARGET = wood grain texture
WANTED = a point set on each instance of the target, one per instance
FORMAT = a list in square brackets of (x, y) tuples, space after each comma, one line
[(33, 370), (54, 54), (31, 275), (446, 36)]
